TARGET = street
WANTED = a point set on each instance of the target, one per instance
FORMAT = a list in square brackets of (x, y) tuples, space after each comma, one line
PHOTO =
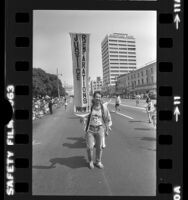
[(60, 161)]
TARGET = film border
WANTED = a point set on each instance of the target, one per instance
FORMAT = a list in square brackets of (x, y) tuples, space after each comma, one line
[(19, 85)]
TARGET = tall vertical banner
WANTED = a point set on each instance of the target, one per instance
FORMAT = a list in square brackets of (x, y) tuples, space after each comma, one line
[(80, 59)]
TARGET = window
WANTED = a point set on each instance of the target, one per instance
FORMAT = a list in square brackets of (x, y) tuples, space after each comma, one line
[(112, 40), (114, 70), (114, 59), (121, 41), (131, 60), (131, 56), (113, 47), (131, 49), (131, 41), (112, 44), (122, 45), (122, 52), (123, 48), (113, 55)]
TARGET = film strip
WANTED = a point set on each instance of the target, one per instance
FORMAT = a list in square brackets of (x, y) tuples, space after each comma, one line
[(18, 91)]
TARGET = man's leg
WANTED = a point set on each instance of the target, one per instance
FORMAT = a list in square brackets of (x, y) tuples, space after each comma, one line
[(99, 138), (90, 145)]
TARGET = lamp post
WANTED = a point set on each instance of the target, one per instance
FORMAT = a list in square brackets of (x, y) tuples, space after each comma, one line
[(58, 84)]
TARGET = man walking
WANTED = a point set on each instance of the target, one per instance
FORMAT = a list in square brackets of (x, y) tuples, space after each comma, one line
[(98, 124), (117, 103), (137, 100), (50, 106)]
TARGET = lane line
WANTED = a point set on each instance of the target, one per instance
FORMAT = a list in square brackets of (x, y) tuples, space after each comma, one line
[(129, 106), (123, 115), (107, 184)]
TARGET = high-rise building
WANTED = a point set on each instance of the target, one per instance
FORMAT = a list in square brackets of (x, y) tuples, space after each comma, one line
[(118, 56), (96, 85)]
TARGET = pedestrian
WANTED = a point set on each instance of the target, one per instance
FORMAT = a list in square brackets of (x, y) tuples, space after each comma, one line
[(149, 109), (137, 100), (50, 106), (65, 103), (117, 103), (147, 98), (98, 124), (154, 116)]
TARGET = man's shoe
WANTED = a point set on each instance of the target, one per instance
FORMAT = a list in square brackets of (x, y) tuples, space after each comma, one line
[(91, 165), (100, 165)]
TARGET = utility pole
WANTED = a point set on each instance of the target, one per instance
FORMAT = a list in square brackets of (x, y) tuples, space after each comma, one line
[(58, 84)]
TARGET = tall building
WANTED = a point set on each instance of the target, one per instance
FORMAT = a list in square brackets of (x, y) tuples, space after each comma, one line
[(118, 56), (96, 85)]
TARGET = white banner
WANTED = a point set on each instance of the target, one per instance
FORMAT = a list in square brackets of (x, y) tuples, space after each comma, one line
[(80, 58)]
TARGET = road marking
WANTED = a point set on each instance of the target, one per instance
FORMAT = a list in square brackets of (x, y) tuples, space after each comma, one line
[(107, 184), (123, 115), (130, 106)]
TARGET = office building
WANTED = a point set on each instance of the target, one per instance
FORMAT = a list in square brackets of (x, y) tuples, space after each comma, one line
[(118, 56), (96, 85)]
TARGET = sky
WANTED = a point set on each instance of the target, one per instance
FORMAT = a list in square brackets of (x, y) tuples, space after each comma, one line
[(52, 43)]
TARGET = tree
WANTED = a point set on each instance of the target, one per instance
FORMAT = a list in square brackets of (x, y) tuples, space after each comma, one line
[(46, 84)]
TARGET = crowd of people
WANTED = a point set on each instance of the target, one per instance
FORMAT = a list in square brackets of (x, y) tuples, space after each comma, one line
[(43, 105)]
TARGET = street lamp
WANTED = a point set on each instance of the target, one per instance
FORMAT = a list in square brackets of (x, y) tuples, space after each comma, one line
[(58, 84)]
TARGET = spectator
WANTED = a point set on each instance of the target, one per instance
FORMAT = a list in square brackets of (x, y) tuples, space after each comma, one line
[(50, 106)]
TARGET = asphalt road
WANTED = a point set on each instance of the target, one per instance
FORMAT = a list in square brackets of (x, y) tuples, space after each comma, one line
[(60, 160)]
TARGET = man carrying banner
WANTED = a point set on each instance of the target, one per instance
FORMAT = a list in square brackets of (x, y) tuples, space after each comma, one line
[(98, 124)]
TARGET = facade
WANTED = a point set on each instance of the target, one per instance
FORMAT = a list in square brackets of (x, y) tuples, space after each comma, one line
[(118, 57), (138, 82), (96, 85)]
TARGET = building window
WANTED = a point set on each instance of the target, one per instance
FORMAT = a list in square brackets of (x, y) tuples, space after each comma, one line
[(112, 40)]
